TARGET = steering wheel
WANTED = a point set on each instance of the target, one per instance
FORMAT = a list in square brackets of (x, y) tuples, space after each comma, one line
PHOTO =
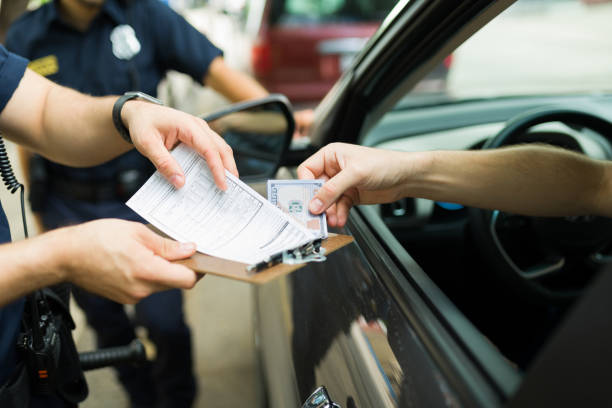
[(546, 258)]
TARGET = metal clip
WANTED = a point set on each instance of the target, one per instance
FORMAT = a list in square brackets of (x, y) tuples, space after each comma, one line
[(309, 252), (296, 257)]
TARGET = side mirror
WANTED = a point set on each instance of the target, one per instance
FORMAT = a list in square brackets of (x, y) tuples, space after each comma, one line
[(259, 132)]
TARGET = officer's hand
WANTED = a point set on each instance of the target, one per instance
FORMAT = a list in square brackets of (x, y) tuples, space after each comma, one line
[(156, 129), (355, 175), (122, 260), (303, 122)]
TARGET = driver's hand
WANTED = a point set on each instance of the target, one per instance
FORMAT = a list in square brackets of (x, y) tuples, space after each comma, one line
[(303, 122), (355, 175)]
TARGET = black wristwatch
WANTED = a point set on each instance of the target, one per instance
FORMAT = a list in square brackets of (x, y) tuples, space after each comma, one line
[(123, 131)]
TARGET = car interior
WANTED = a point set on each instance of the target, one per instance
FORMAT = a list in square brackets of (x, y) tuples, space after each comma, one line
[(513, 277)]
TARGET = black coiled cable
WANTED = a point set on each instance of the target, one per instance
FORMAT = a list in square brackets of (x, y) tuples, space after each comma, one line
[(10, 181)]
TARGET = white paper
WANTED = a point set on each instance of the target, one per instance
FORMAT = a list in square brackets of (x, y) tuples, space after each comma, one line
[(237, 224)]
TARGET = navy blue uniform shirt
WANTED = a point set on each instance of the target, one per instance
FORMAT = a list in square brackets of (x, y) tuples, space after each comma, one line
[(12, 69), (85, 61)]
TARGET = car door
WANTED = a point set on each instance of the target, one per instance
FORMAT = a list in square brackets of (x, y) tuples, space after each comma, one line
[(368, 324), (358, 325)]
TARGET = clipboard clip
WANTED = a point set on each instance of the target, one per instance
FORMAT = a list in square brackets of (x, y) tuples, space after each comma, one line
[(309, 252)]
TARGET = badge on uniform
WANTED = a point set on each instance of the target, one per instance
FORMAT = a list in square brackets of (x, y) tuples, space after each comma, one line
[(125, 43), (45, 66)]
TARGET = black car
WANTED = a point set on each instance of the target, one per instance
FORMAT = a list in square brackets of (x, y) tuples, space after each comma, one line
[(436, 304)]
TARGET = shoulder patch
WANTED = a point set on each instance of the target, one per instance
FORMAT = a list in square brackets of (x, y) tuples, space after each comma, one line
[(45, 66)]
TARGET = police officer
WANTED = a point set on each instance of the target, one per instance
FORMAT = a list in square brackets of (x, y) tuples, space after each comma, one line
[(114, 258), (107, 47)]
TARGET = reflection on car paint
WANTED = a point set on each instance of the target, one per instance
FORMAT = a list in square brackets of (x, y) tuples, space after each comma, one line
[(351, 338)]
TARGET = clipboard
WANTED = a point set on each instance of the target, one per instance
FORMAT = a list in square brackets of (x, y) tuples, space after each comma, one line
[(206, 264)]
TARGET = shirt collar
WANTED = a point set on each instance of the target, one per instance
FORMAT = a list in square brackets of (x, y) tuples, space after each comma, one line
[(110, 8), (51, 13), (114, 10)]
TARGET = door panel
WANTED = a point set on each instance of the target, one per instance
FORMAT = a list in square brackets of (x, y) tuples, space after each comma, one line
[(336, 324)]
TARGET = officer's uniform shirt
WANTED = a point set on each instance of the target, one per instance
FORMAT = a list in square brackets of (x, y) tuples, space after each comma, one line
[(87, 61), (12, 69)]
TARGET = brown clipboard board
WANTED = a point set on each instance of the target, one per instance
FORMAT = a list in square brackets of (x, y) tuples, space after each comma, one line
[(207, 264)]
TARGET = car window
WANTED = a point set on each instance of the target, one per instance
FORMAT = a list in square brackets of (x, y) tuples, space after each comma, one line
[(534, 54), (290, 12), (536, 48), (533, 48)]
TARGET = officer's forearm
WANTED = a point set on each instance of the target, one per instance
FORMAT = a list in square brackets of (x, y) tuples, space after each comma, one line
[(234, 85), (63, 125), (30, 265), (85, 135)]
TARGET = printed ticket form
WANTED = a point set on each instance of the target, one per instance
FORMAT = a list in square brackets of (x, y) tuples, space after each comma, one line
[(237, 224)]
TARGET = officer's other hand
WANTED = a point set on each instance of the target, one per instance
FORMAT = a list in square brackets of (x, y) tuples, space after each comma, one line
[(355, 175), (122, 260), (156, 129), (303, 122)]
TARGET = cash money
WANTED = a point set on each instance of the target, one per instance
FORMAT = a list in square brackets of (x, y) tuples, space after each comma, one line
[(293, 197)]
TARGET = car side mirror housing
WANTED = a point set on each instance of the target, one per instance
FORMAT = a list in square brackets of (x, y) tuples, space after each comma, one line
[(258, 131)]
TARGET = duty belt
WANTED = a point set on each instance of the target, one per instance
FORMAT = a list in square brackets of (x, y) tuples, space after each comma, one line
[(94, 191)]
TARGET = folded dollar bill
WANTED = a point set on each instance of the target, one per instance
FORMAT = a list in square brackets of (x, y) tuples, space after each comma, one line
[(293, 197)]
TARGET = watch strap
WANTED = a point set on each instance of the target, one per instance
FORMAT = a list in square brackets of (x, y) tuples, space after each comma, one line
[(118, 122)]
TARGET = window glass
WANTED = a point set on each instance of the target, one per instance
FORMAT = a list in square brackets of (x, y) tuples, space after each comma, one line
[(537, 52), (535, 47)]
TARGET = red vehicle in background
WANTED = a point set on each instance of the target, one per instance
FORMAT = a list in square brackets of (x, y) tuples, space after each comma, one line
[(302, 46)]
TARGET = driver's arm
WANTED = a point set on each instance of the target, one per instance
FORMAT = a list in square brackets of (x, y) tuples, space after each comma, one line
[(528, 179)]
